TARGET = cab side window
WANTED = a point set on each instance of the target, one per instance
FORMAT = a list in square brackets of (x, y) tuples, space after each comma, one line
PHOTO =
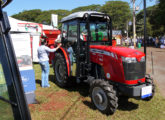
[(64, 30), (72, 32)]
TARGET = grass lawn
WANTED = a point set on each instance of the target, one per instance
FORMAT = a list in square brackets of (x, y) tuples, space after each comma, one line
[(74, 103), (6, 112)]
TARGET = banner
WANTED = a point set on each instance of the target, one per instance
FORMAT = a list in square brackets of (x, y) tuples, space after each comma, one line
[(21, 43), (22, 48), (54, 20)]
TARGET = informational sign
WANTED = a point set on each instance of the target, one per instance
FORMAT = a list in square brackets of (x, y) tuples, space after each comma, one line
[(54, 21), (28, 79), (30, 27), (22, 48), (117, 34)]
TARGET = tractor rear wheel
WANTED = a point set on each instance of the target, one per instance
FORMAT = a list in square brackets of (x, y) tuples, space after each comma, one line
[(60, 70), (103, 96)]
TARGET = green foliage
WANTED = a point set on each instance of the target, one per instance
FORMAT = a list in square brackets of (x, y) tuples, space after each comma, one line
[(28, 15), (154, 21), (39, 16), (160, 11), (120, 13), (87, 8), (158, 17)]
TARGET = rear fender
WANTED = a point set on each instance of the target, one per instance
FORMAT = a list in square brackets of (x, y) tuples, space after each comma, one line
[(64, 52)]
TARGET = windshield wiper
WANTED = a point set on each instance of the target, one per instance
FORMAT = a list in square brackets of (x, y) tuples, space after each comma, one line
[(7, 101)]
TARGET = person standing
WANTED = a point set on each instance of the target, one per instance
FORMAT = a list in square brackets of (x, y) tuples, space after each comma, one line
[(156, 42), (43, 56)]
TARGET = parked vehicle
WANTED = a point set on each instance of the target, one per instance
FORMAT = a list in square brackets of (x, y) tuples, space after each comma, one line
[(111, 71)]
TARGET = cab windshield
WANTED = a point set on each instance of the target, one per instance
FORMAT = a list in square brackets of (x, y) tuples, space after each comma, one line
[(98, 31)]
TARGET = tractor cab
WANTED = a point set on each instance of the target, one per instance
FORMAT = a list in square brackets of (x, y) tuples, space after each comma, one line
[(80, 30)]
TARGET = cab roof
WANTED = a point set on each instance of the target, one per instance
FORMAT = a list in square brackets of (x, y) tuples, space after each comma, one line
[(78, 15)]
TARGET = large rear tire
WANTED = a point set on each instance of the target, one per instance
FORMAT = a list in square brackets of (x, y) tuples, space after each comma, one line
[(60, 70), (103, 96)]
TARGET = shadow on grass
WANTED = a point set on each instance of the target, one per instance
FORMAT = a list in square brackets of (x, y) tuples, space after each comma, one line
[(126, 105), (89, 104), (123, 104), (82, 88), (51, 78), (38, 81)]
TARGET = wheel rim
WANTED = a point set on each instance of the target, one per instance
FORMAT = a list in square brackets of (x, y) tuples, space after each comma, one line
[(59, 73), (99, 98)]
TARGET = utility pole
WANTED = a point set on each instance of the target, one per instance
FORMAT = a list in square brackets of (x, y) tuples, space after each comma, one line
[(145, 30), (134, 26)]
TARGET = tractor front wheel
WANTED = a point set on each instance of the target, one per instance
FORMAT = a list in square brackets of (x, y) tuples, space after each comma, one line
[(60, 70), (103, 96)]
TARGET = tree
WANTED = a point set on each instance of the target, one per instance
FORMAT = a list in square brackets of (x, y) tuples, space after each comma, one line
[(154, 25), (120, 13), (28, 15), (39, 16), (87, 8), (158, 17), (46, 16)]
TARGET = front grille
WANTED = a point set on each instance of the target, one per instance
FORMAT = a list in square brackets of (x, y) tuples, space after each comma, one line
[(134, 71)]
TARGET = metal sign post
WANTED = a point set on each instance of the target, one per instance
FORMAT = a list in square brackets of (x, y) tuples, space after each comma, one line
[(145, 31)]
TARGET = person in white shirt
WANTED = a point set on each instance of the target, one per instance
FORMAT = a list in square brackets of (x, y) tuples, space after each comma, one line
[(43, 56)]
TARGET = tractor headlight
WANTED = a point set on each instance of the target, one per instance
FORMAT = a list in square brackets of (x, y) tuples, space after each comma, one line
[(142, 59), (129, 59)]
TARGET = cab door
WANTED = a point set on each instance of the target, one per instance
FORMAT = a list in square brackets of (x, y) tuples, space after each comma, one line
[(13, 104)]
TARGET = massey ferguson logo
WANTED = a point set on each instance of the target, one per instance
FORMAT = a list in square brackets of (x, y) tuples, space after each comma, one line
[(104, 53), (136, 53)]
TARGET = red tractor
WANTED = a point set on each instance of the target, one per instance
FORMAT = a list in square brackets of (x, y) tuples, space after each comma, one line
[(88, 55)]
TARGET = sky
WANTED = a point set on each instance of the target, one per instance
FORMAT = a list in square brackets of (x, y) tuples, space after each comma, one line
[(17, 6)]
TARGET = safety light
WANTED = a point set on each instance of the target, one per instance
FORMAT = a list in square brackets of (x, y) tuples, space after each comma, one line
[(142, 59)]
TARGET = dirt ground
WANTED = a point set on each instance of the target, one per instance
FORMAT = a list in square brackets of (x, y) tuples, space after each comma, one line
[(156, 66)]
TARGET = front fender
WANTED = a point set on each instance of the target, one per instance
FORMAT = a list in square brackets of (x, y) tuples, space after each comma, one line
[(64, 52)]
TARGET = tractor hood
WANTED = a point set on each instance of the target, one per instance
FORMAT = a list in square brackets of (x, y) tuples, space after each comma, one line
[(120, 51)]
